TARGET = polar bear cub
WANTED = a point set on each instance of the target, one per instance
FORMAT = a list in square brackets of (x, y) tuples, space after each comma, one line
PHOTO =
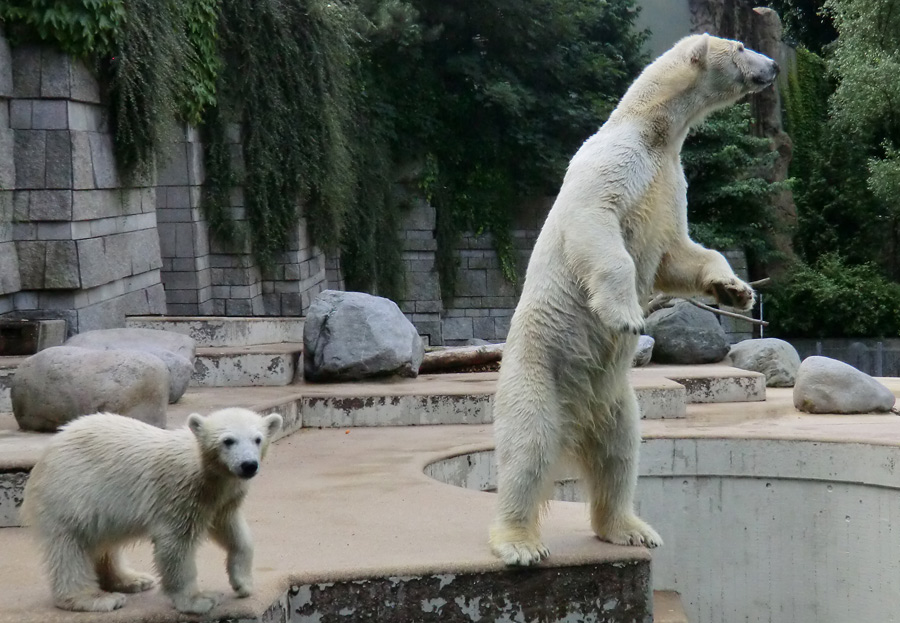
[(107, 480), (617, 232)]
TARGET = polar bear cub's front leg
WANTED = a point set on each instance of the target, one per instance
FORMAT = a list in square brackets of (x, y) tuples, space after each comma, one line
[(233, 534)]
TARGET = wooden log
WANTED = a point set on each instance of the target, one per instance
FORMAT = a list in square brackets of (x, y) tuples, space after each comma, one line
[(453, 358)]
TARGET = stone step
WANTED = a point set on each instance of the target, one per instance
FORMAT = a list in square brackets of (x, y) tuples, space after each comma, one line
[(667, 608), (225, 331), (248, 366)]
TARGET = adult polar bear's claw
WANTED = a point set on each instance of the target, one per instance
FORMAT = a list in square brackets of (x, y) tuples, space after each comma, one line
[(630, 530), (617, 231)]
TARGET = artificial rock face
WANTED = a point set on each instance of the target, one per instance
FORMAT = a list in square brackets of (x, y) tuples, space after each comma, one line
[(59, 384), (686, 334), (351, 335), (774, 358), (176, 351), (826, 385)]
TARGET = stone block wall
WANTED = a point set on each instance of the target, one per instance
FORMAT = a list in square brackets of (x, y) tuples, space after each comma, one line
[(206, 276), (75, 243), (422, 302)]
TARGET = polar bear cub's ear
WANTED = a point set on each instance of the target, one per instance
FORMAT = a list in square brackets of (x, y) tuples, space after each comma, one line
[(699, 50), (195, 423), (272, 423)]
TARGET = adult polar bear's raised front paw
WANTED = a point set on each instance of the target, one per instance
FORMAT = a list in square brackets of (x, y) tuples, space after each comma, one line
[(734, 293)]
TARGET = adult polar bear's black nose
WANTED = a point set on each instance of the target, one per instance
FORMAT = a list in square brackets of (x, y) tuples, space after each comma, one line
[(249, 469)]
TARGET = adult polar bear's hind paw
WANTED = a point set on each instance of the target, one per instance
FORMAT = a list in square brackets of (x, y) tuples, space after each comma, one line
[(734, 293), (630, 530), (516, 549)]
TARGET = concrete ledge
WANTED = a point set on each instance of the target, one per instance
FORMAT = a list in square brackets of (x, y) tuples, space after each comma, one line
[(246, 366), (222, 331)]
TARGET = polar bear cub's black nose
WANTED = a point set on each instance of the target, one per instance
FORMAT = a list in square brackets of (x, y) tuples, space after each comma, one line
[(249, 469)]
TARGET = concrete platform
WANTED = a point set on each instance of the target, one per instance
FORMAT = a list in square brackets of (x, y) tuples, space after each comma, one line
[(332, 512), (224, 331)]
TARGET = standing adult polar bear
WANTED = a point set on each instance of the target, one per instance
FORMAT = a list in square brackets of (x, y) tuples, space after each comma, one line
[(617, 231)]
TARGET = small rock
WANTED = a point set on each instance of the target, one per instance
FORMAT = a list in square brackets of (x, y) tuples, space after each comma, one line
[(827, 385), (175, 350), (350, 336), (59, 384), (774, 358), (643, 352), (685, 334)]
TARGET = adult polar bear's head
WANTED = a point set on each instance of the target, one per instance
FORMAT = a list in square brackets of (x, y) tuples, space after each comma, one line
[(731, 69), (234, 440), (698, 75)]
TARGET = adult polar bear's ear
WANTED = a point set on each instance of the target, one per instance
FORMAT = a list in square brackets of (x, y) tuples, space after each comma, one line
[(195, 423), (273, 424), (699, 50)]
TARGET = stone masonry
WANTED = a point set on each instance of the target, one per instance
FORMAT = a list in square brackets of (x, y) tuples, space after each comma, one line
[(203, 275), (75, 242)]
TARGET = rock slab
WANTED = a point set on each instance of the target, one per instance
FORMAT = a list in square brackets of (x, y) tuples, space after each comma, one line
[(685, 334), (175, 350), (774, 358), (644, 351), (351, 335), (826, 385), (59, 384)]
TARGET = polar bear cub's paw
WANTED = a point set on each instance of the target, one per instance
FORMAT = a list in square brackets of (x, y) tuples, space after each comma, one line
[(133, 582), (734, 293), (197, 603), (516, 547), (91, 602), (628, 530)]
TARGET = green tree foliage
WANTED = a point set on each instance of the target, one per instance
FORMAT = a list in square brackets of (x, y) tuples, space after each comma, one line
[(806, 23), (833, 298), (728, 201), (494, 96)]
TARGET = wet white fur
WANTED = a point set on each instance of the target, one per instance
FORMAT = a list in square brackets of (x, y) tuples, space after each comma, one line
[(107, 480), (617, 231)]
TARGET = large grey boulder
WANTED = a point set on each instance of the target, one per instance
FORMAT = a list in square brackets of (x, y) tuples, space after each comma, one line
[(59, 384), (774, 358), (350, 335), (644, 351), (685, 334), (827, 385), (175, 350)]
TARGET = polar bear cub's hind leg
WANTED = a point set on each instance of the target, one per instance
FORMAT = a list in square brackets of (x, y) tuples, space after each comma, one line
[(72, 578)]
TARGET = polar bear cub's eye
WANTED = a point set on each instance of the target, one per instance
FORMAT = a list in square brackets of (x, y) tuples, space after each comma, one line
[(258, 440), (229, 441)]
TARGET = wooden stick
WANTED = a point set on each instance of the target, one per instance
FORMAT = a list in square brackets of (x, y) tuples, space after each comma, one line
[(722, 312), (461, 357)]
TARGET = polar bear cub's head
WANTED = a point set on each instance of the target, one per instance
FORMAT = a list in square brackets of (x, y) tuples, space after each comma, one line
[(236, 439)]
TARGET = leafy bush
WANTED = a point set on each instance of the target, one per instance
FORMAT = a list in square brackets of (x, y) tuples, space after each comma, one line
[(834, 299), (728, 201)]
